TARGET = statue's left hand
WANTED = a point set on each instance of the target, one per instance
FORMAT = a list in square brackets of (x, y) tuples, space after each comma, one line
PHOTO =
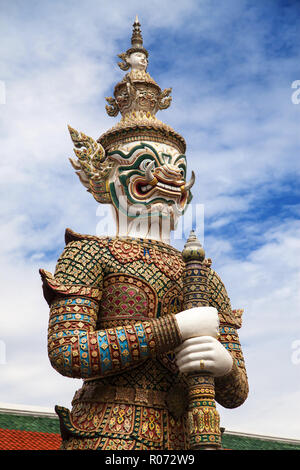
[(203, 354)]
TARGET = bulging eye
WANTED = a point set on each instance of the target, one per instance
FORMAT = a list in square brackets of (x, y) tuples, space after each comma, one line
[(145, 163), (182, 172)]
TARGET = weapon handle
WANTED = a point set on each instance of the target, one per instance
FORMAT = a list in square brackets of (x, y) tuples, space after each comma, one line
[(203, 417)]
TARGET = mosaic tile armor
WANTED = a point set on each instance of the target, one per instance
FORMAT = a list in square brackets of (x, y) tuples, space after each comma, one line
[(112, 323)]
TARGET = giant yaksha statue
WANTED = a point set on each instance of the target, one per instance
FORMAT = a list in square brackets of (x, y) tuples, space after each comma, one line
[(117, 318)]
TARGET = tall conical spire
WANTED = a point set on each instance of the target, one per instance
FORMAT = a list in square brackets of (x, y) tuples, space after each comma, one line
[(136, 38), (136, 45)]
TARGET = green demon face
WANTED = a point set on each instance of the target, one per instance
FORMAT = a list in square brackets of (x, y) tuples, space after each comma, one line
[(149, 178)]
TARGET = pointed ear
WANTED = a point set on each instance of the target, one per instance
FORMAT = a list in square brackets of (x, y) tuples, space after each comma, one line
[(124, 65), (92, 165)]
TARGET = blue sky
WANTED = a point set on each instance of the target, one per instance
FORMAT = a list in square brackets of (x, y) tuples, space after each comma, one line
[(231, 66)]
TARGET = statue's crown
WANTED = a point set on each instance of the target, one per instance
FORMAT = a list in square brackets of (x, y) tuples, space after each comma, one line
[(138, 98), (136, 41)]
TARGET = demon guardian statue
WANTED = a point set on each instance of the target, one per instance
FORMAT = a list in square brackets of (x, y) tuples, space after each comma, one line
[(117, 313)]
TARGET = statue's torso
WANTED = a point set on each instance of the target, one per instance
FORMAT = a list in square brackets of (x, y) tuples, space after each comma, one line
[(141, 280)]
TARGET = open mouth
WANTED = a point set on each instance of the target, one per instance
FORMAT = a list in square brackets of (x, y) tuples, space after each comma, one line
[(143, 190)]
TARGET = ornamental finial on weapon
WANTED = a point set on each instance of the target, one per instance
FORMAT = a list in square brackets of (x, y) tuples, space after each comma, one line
[(193, 250)]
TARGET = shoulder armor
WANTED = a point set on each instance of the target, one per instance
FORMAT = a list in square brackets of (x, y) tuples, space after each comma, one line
[(78, 271), (71, 236), (53, 288)]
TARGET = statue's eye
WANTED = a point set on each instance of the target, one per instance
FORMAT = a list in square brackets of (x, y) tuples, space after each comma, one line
[(145, 163), (182, 172)]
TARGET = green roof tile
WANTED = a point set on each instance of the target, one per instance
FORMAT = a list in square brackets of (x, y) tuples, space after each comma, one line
[(234, 442), (29, 423)]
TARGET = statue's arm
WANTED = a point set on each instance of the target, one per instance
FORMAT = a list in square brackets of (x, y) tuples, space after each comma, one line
[(231, 389), (75, 347)]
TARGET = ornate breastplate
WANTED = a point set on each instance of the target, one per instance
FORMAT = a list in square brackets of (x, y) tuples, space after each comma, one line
[(142, 281)]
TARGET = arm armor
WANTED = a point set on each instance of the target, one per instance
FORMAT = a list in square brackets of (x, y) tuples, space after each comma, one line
[(75, 347)]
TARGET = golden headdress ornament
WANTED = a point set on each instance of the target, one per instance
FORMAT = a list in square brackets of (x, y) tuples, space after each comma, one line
[(136, 46)]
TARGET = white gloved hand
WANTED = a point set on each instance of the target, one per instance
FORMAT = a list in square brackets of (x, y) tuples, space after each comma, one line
[(198, 321), (216, 359)]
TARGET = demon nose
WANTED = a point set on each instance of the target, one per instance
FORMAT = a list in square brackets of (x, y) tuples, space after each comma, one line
[(170, 172)]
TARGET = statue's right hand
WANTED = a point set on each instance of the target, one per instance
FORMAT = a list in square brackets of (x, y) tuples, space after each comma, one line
[(198, 321)]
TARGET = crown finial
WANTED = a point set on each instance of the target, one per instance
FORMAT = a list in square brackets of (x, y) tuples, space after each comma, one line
[(136, 38), (136, 46)]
